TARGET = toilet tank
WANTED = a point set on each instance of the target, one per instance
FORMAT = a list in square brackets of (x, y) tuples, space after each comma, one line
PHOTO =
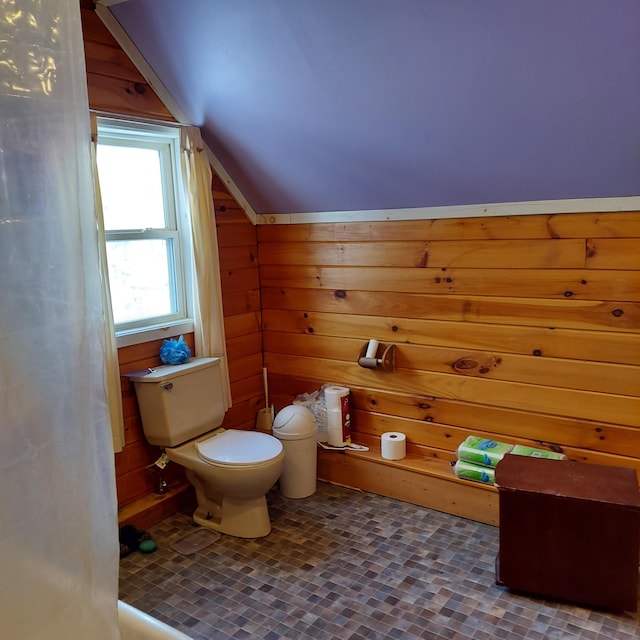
[(179, 402)]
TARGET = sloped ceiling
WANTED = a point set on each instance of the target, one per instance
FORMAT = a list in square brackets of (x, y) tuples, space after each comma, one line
[(339, 105)]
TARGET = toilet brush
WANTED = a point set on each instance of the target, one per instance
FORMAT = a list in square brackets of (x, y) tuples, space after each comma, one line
[(264, 420)]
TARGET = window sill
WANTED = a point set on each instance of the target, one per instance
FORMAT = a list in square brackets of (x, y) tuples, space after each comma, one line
[(149, 334)]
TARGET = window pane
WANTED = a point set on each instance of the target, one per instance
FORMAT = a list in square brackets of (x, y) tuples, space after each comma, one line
[(131, 187), (139, 275)]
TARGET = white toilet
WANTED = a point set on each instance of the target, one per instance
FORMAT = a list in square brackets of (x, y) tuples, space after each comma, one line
[(181, 408)]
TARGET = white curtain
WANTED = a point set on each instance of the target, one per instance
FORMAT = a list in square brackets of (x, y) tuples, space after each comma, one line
[(58, 524), (208, 314), (112, 366)]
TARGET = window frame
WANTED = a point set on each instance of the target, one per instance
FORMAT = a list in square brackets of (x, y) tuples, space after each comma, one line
[(177, 227)]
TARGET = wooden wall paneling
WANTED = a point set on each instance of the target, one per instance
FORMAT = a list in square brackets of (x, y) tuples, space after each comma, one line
[(618, 347), (237, 242), (241, 324), (114, 84), (613, 253), (536, 312), (559, 372), (489, 254), (103, 57), (586, 405), (236, 303), (549, 431), (249, 389), (93, 30), (244, 345), (622, 224), (235, 235), (239, 279), (239, 367), (244, 257), (533, 283), (233, 227)]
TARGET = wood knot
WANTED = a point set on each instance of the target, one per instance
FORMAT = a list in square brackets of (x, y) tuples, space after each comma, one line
[(463, 363), (471, 365)]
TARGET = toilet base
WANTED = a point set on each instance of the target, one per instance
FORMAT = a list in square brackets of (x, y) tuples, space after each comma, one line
[(239, 518)]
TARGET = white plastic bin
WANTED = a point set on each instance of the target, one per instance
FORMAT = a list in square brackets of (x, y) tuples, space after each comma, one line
[(296, 427)]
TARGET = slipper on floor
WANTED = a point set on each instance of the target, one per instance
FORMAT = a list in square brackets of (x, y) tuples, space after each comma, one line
[(130, 539)]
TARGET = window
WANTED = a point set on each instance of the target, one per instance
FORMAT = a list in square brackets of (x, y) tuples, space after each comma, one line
[(147, 230)]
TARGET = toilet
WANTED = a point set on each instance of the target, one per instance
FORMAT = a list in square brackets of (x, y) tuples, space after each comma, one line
[(181, 407)]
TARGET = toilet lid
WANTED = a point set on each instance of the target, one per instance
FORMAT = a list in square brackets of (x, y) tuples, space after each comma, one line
[(237, 447)]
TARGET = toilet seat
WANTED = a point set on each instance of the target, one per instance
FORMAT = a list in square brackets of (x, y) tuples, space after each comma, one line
[(237, 448)]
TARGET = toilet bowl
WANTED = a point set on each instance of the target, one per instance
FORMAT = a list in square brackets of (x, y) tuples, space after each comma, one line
[(231, 471), (182, 408)]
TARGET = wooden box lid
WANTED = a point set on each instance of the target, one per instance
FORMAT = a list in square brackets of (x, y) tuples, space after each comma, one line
[(569, 479)]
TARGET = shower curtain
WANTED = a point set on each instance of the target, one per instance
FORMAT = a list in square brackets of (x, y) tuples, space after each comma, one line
[(58, 525)]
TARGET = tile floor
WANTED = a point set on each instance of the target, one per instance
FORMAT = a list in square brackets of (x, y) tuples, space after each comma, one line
[(348, 565)]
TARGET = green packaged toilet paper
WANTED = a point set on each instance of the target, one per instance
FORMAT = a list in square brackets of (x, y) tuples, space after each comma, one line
[(521, 450), (474, 472), (483, 451)]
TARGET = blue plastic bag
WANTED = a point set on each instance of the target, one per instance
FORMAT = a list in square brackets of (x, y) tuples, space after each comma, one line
[(174, 351)]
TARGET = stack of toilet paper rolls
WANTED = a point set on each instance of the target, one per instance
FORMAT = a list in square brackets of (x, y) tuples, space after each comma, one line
[(478, 457), (338, 416)]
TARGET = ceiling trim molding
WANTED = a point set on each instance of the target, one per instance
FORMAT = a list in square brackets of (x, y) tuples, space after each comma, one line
[(578, 205), (127, 45)]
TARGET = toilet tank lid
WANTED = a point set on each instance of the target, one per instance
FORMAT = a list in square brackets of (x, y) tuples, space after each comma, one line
[(168, 371)]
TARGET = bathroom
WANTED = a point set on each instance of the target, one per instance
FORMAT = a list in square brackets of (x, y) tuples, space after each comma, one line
[(492, 343)]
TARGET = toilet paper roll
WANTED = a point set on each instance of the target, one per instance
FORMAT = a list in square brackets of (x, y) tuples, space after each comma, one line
[(394, 445), (333, 396), (372, 349)]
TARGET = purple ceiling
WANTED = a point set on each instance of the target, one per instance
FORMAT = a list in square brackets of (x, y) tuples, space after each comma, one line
[(334, 105)]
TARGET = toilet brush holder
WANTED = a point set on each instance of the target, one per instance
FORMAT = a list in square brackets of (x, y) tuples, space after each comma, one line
[(264, 419)]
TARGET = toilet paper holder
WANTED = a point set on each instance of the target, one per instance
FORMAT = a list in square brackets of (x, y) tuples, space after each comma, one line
[(384, 357)]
